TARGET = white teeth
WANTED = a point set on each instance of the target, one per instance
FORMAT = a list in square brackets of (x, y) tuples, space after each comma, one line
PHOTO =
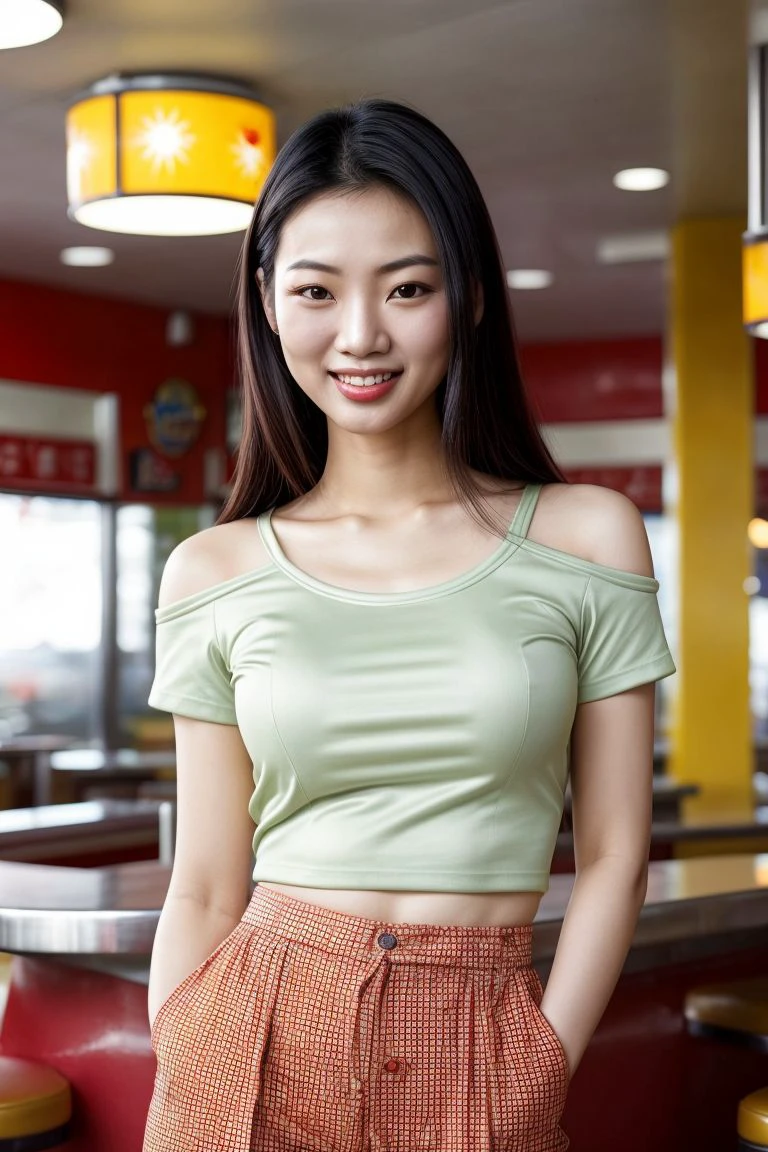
[(365, 381)]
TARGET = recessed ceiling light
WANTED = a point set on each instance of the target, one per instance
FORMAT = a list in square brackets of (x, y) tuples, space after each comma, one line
[(90, 257), (641, 179), (25, 22), (529, 278), (633, 246)]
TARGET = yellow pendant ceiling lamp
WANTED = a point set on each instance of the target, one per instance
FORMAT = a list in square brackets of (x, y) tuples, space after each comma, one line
[(755, 247), (167, 155), (24, 22)]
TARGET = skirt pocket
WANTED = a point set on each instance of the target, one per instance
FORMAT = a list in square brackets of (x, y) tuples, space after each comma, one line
[(530, 1079), (186, 983), (547, 1027), (211, 1037)]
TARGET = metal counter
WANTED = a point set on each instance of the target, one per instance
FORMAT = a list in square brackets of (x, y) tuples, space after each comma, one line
[(701, 904), (81, 911)]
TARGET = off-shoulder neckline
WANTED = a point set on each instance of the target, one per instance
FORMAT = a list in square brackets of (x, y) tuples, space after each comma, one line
[(512, 543)]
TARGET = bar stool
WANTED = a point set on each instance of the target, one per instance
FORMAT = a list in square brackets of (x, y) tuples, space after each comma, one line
[(35, 1106), (753, 1122), (735, 1012)]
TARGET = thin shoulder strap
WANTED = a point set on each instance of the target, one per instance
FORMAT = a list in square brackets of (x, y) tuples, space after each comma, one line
[(525, 510)]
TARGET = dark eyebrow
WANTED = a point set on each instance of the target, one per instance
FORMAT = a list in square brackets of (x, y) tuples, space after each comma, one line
[(393, 266)]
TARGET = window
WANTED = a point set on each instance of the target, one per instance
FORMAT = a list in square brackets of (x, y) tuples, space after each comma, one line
[(50, 616)]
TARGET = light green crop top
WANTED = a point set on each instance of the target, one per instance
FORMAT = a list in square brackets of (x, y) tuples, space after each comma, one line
[(410, 740)]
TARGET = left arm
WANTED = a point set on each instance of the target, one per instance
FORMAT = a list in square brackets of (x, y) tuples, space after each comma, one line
[(611, 774), (611, 771)]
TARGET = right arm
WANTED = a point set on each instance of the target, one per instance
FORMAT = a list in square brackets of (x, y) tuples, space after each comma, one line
[(210, 884)]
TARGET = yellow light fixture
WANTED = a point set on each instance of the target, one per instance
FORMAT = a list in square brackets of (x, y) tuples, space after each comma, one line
[(24, 22), (755, 245), (755, 284), (167, 155), (757, 531)]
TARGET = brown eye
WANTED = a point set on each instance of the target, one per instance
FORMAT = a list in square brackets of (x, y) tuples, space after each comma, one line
[(316, 292), (409, 291)]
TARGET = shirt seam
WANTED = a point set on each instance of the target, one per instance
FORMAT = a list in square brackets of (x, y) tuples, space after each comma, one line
[(581, 616), (431, 870), (588, 685), (168, 697), (218, 641), (279, 735), (638, 581), (195, 600)]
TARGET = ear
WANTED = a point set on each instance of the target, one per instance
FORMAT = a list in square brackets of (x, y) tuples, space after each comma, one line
[(479, 302), (266, 300)]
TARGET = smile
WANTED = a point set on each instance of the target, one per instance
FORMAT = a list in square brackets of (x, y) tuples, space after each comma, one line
[(364, 381)]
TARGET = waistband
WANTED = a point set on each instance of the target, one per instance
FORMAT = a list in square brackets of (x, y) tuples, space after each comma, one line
[(476, 946)]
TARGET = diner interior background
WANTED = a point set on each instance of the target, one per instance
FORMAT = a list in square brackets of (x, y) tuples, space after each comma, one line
[(547, 100), (635, 353)]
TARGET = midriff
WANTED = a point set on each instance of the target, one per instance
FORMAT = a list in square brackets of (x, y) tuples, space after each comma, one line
[(468, 909)]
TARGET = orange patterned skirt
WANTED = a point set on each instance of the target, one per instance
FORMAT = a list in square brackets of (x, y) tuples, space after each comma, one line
[(311, 1030)]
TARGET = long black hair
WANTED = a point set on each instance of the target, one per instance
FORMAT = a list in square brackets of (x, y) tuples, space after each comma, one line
[(487, 420)]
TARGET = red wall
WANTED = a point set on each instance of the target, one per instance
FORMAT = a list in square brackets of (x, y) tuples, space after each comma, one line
[(49, 336), (595, 379)]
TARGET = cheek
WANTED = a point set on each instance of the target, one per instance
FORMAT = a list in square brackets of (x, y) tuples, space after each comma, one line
[(302, 334), (427, 334)]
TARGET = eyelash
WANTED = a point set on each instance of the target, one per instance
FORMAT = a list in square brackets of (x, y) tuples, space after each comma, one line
[(425, 289)]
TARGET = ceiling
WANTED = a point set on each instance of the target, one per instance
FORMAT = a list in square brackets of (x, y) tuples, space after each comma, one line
[(547, 99)]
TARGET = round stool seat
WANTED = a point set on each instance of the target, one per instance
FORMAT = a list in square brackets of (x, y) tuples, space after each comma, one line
[(35, 1105), (735, 1011), (753, 1120)]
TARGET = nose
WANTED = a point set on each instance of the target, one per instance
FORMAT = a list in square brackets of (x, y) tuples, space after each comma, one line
[(361, 329)]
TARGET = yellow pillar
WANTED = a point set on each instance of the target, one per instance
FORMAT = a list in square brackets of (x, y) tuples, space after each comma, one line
[(711, 499)]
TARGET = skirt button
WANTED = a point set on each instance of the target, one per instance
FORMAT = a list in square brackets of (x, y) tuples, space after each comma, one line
[(387, 940)]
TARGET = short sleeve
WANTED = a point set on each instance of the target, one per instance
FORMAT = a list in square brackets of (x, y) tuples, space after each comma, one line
[(191, 676), (622, 641)]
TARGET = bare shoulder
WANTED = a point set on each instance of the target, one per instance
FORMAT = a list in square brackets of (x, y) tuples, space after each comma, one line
[(594, 523), (210, 557)]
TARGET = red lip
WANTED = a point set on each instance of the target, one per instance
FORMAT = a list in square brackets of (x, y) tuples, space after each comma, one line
[(368, 372), (364, 394)]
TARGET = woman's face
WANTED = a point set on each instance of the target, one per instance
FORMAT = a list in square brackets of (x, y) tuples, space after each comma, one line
[(358, 292)]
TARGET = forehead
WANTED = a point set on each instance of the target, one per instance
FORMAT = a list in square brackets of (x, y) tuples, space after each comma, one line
[(331, 227)]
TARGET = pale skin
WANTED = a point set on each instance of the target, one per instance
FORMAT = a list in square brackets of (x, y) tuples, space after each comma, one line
[(383, 517)]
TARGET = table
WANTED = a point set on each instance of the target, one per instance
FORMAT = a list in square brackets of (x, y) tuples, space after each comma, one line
[(744, 830), (96, 831), (28, 758), (100, 764)]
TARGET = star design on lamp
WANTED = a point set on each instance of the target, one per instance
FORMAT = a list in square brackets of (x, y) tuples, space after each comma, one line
[(176, 154), (165, 139), (80, 153), (249, 156)]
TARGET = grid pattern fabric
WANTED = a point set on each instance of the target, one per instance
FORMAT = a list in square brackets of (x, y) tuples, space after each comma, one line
[(311, 1030)]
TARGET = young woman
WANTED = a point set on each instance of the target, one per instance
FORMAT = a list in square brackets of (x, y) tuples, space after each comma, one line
[(402, 634)]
